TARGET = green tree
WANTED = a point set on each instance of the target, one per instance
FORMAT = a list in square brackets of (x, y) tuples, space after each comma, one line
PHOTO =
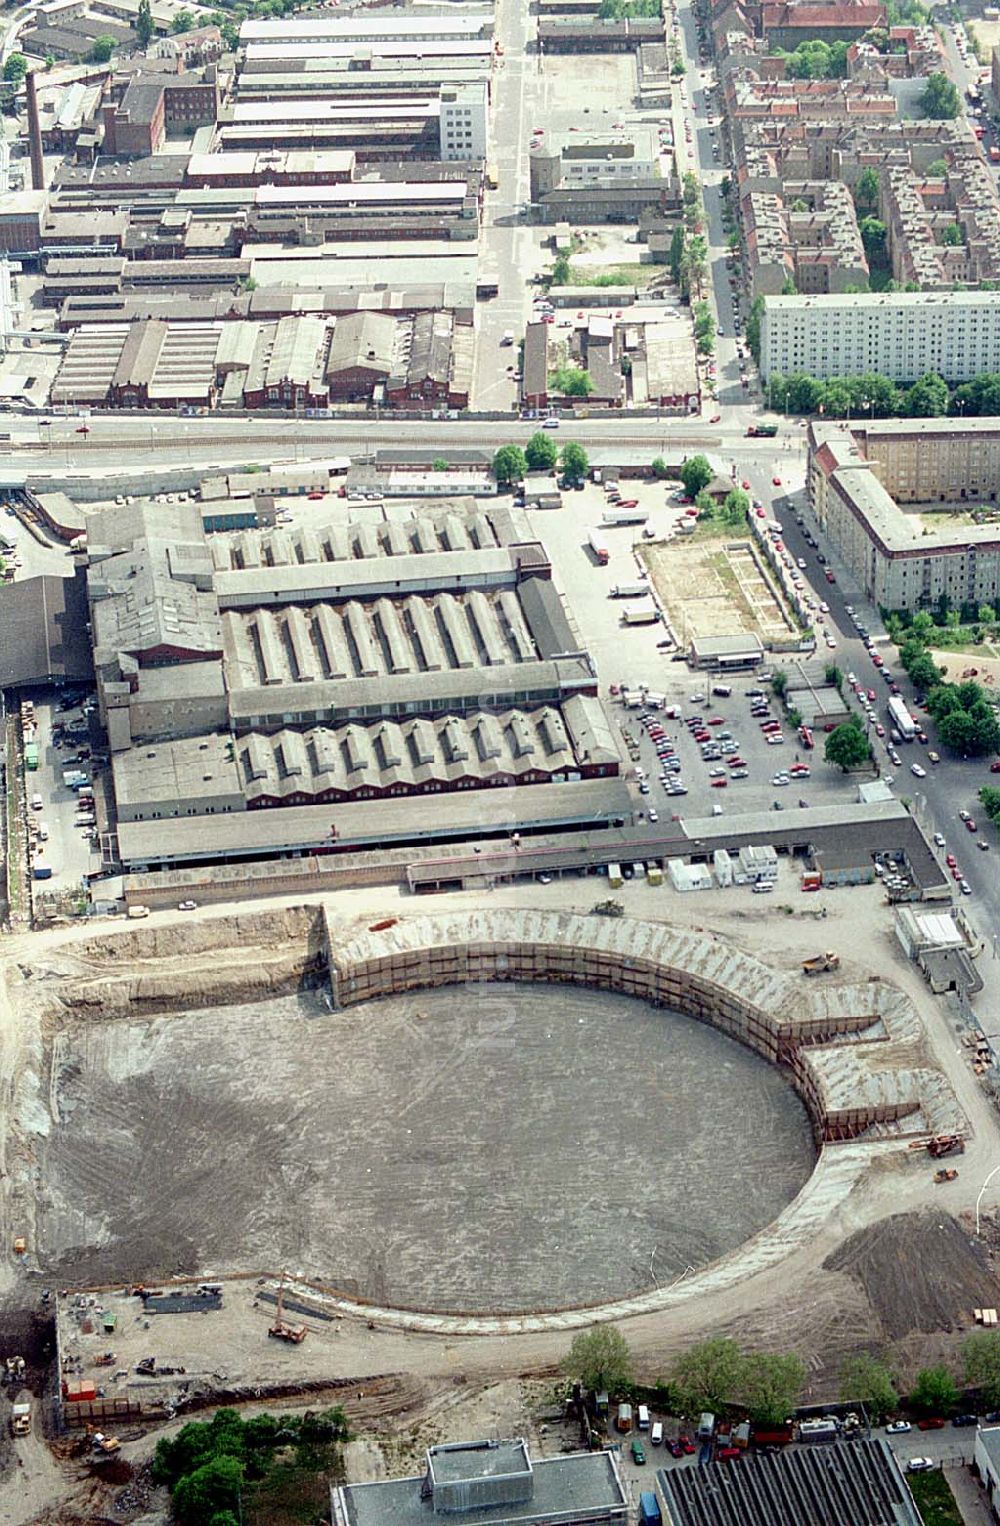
[(230, 35), (736, 508), (834, 676), (708, 1376), (937, 169), (847, 746), (600, 1359), (695, 473), (934, 1391), (868, 188), (940, 98), (981, 1359), (102, 50), (804, 394), (753, 328), (989, 799), (213, 1487), (50, 60), (928, 397), (509, 465), (658, 467), (770, 1385), (15, 68), (986, 614), (561, 271), (541, 452), (439, 464), (873, 232), (571, 381), (865, 1379), (224, 1518), (779, 682), (952, 236), (676, 253), (182, 22), (575, 462), (144, 24)]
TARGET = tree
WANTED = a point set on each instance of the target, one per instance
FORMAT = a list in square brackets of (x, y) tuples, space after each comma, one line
[(230, 35), (575, 463), (873, 232), (981, 1362), (209, 1489), (866, 192), (509, 465), (572, 381), (834, 676), (15, 68), (676, 253), (940, 98), (928, 397), (989, 799), (102, 50), (541, 452), (952, 236), (847, 746), (934, 1391), (986, 614), (937, 169), (736, 508), (696, 473), (771, 1385), (600, 1359), (865, 1379), (182, 22), (144, 24), (561, 271), (779, 683), (708, 1376), (658, 467)]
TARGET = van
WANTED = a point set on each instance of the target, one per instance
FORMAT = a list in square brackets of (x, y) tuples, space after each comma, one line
[(762, 887), (656, 1434), (43, 831), (706, 1426), (723, 691), (643, 1418), (37, 802), (135, 912)]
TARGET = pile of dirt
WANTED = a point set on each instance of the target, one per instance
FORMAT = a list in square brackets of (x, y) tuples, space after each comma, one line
[(919, 1271)]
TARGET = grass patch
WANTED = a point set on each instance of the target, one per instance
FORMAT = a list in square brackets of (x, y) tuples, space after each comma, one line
[(618, 275), (934, 1498)]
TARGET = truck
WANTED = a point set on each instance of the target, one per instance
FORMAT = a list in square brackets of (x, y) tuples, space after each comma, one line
[(806, 738), (641, 614), (615, 877), (649, 1509), (822, 1431), (706, 1426), (901, 718), (628, 591), (761, 431), (821, 964), (994, 154), (31, 756), (599, 546), (608, 909), (20, 1419), (633, 515)]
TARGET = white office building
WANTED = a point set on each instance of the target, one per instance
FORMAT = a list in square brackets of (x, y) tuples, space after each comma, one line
[(464, 120), (901, 335)]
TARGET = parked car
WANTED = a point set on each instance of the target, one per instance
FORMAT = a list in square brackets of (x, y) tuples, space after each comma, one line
[(898, 1427)]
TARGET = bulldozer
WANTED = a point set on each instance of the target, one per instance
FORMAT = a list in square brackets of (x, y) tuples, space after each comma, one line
[(281, 1330), (945, 1174), (608, 909), (820, 964)]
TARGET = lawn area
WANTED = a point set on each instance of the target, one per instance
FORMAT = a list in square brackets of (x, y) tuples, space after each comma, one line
[(616, 275), (934, 1498)]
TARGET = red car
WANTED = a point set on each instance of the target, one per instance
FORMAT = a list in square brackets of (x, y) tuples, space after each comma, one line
[(871, 695), (877, 660), (687, 1445), (716, 418), (995, 766), (951, 860), (970, 825), (693, 512), (629, 503), (956, 874), (931, 1423), (728, 1454), (82, 429), (776, 481), (760, 513), (719, 783), (829, 576), (746, 485), (716, 720), (880, 730), (315, 495)]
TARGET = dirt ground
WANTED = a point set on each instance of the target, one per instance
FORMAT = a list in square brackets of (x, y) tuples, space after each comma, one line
[(711, 587)]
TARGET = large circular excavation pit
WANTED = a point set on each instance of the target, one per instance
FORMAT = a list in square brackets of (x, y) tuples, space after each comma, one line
[(505, 1148)]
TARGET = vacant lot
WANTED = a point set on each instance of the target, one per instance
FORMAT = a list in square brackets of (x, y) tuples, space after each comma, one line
[(512, 1147), (586, 91), (934, 1498), (711, 586)]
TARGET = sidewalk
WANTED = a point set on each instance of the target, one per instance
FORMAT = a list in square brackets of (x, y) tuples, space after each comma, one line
[(970, 1498)]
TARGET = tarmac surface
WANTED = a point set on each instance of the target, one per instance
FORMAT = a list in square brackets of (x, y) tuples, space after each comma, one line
[(482, 1149)]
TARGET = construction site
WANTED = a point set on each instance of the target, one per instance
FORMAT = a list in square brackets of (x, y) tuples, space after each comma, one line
[(343, 1219)]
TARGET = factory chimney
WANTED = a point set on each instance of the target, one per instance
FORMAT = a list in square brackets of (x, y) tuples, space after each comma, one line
[(34, 134)]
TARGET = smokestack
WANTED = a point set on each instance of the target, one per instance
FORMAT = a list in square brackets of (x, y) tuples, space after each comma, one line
[(34, 134)]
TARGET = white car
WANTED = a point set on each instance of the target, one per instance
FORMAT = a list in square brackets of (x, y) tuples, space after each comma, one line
[(897, 1428), (918, 771), (551, 424), (187, 905), (920, 1464), (653, 814), (939, 840)]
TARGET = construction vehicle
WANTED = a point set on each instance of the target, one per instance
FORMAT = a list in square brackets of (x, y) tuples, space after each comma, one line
[(13, 1369), (820, 964), (608, 909), (20, 1419), (940, 1145), (106, 1359), (282, 1331), (103, 1447), (946, 1174)]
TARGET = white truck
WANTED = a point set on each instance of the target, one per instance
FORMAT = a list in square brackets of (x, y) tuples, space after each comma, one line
[(628, 591), (640, 614), (599, 546), (902, 719), (622, 516)]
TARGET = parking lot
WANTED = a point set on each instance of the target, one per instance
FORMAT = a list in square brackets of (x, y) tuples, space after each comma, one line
[(62, 843)]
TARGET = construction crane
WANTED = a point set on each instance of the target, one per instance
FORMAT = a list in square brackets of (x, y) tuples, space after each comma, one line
[(282, 1331)]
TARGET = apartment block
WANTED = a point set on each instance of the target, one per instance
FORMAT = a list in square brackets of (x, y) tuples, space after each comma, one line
[(882, 492), (901, 335)]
